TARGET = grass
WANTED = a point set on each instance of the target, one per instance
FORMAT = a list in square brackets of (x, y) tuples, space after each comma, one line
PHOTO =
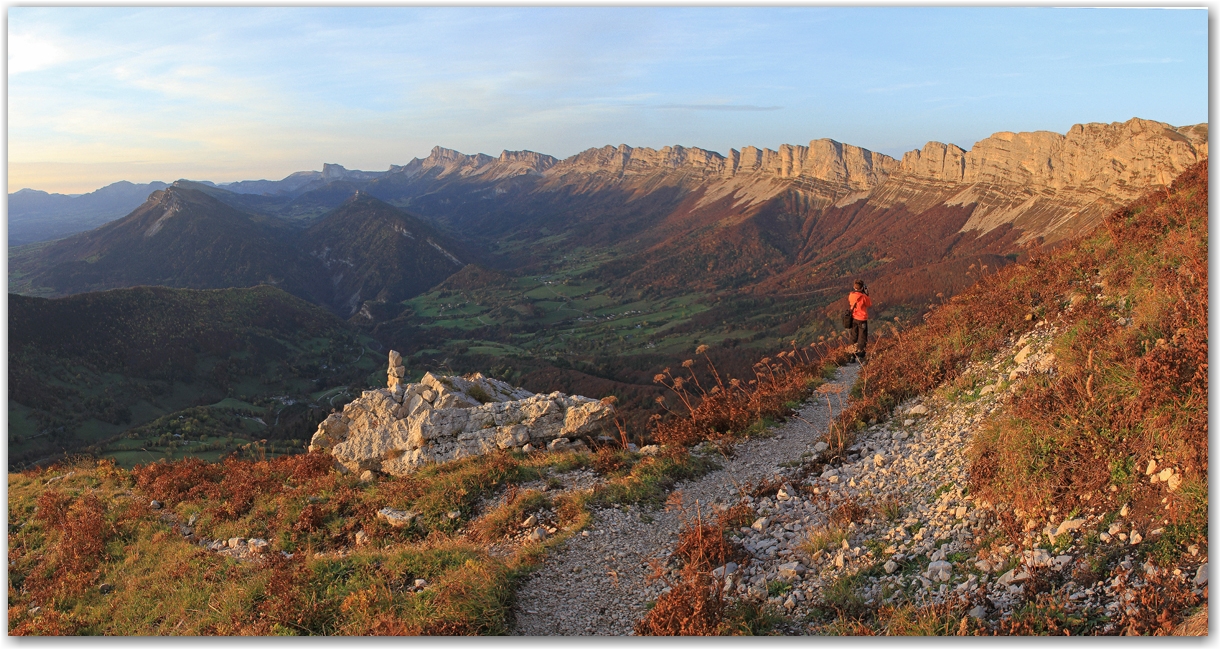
[(843, 596), (508, 517), (78, 526), (777, 588), (592, 314), (823, 539), (724, 409), (650, 480), (750, 618)]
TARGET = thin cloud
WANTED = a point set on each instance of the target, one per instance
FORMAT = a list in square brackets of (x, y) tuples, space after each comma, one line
[(903, 86)]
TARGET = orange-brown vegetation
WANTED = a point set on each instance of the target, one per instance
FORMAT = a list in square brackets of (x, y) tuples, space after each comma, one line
[(88, 555), (695, 602), (729, 407), (1126, 391)]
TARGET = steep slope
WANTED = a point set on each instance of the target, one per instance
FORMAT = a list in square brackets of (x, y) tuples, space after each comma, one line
[(1078, 383), (376, 252), (180, 238), (87, 367)]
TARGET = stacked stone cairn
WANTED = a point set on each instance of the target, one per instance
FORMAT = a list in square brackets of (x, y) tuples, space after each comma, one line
[(405, 426)]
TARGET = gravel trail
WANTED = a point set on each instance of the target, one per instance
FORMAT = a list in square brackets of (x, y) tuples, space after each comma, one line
[(893, 517), (596, 584)]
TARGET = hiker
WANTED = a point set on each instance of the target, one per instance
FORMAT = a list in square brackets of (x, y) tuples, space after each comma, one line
[(859, 302)]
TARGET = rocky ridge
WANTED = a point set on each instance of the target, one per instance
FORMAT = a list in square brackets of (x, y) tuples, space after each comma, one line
[(397, 429), (1038, 181)]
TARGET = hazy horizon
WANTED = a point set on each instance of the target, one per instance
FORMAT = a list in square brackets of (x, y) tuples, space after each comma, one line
[(98, 95)]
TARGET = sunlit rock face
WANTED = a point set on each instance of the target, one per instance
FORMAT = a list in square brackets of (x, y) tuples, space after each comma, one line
[(404, 426)]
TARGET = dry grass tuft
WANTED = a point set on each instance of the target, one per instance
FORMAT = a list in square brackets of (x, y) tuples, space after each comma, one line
[(733, 408), (823, 539), (695, 602)]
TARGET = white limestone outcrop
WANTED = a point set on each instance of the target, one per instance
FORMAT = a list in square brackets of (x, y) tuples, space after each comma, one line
[(404, 426)]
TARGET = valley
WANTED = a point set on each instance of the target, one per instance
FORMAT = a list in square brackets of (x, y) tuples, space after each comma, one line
[(1030, 459), (585, 275)]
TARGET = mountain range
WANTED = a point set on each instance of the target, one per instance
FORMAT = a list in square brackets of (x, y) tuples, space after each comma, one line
[(184, 237), (590, 273), (786, 215)]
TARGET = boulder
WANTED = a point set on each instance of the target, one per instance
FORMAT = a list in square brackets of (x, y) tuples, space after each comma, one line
[(940, 570), (791, 570), (564, 444), (405, 426), (1070, 526), (1023, 355), (396, 517)]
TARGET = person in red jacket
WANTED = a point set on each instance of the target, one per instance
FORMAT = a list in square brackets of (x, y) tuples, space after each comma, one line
[(859, 302)]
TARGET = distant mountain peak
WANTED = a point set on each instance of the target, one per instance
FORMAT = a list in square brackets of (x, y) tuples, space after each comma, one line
[(335, 172)]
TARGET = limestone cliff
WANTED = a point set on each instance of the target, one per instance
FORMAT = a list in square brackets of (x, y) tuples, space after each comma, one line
[(1047, 184), (444, 163)]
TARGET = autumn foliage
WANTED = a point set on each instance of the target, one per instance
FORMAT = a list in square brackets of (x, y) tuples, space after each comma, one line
[(1129, 306), (695, 602), (718, 408)]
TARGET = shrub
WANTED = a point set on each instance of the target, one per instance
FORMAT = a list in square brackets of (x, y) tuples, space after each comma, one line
[(695, 602), (732, 408)]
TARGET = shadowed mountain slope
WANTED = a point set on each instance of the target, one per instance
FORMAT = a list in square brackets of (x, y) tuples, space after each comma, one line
[(38, 216), (179, 238), (374, 251)]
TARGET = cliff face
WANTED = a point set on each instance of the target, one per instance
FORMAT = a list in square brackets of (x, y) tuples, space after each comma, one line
[(1045, 184), (443, 163)]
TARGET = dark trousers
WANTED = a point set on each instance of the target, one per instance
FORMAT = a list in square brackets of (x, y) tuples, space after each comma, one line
[(859, 335)]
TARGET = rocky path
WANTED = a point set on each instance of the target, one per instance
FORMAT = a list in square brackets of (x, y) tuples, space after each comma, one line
[(891, 523), (597, 584)]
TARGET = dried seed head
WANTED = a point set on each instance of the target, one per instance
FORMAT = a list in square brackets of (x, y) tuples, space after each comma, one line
[(658, 378), (701, 349), (688, 363)]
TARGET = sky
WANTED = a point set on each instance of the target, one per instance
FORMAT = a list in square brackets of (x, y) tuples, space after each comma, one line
[(102, 94)]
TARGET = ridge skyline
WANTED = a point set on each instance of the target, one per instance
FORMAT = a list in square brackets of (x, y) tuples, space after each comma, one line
[(746, 154)]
